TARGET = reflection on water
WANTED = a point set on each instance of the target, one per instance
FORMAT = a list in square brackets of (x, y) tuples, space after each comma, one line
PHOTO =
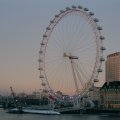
[(7, 116)]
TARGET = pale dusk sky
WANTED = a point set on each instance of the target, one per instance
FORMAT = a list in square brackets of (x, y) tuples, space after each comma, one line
[(22, 25)]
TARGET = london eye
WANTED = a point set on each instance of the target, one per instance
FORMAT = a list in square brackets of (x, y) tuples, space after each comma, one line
[(71, 52)]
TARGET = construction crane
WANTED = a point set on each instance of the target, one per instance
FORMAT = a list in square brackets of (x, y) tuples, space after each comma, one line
[(16, 102), (13, 95), (12, 92)]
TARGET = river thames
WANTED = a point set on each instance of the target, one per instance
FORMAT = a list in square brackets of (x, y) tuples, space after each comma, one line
[(8, 116)]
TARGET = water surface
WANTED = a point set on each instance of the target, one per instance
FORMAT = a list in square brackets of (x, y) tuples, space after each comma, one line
[(8, 116)]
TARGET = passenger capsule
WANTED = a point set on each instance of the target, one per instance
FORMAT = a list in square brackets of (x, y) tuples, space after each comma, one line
[(40, 51), (56, 16), (44, 35), (48, 28), (52, 21), (86, 9), (96, 80), (99, 70), (102, 37), (67, 8), (45, 91), (103, 48), (73, 6), (42, 43), (80, 7), (43, 84), (61, 11), (96, 20), (91, 13), (102, 59), (40, 60), (99, 28), (40, 68), (41, 76)]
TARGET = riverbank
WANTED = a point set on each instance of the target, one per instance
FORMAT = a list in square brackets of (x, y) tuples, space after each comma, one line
[(92, 111)]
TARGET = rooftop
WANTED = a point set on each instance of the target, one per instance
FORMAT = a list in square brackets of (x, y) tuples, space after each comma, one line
[(111, 85), (113, 54)]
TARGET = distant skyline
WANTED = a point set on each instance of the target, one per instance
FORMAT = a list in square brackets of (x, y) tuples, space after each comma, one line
[(22, 25)]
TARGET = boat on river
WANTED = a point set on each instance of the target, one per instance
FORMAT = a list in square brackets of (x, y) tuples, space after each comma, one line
[(34, 111)]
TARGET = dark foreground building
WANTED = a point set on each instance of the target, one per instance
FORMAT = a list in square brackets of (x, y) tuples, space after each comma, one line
[(110, 95)]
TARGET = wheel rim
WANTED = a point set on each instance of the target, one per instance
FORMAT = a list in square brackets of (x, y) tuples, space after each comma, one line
[(73, 32)]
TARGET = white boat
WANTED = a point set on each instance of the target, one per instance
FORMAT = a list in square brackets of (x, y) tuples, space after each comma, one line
[(34, 111), (51, 112)]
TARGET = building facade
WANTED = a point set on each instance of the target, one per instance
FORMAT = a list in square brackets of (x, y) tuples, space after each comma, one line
[(110, 95), (113, 67), (110, 91)]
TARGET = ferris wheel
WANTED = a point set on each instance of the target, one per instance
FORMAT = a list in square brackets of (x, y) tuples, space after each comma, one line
[(71, 52)]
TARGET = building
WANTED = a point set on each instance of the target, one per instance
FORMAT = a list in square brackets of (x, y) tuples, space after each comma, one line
[(113, 67), (110, 91), (110, 95)]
